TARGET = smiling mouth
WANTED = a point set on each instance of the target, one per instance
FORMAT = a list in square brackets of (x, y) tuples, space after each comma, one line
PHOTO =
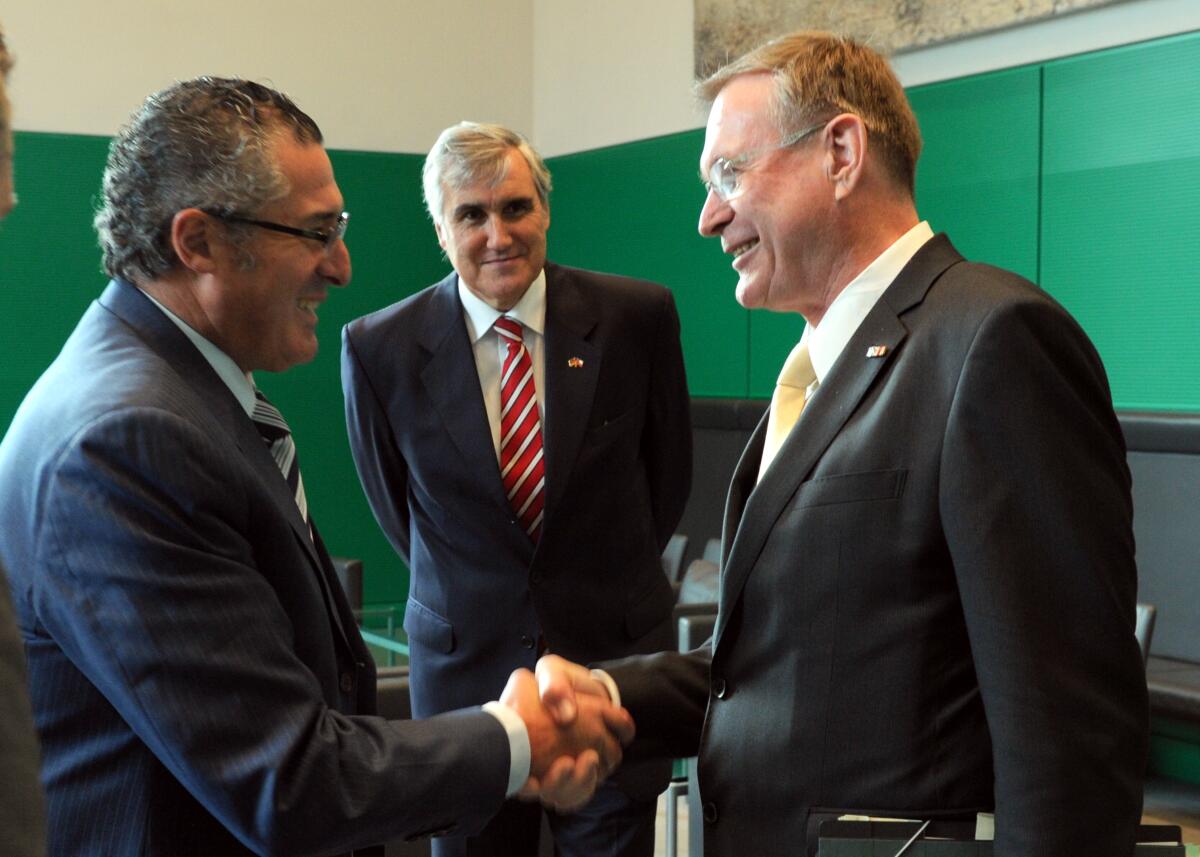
[(741, 249), (309, 305)]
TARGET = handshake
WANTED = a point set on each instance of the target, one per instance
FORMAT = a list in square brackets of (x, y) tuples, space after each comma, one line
[(575, 730)]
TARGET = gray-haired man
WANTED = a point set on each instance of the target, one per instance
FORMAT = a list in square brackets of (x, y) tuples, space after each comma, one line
[(522, 432)]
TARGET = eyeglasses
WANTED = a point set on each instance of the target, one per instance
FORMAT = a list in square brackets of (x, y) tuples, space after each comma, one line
[(327, 237), (724, 173)]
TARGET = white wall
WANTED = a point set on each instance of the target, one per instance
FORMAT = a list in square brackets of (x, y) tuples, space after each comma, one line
[(609, 72), (388, 75), (376, 74)]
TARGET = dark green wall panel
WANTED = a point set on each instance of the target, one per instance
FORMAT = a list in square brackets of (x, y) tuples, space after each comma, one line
[(1121, 213), (977, 179), (633, 210), (49, 261)]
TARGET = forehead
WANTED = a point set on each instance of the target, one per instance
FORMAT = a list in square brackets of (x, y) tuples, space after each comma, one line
[(516, 183), (313, 189), (739, 119)]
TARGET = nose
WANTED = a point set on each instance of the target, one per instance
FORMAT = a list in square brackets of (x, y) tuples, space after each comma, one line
[(335, 266), (498, 236), (715, 214)]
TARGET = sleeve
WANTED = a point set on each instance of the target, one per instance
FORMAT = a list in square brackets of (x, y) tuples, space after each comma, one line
[(381, 468), (1036, 508), (667, 438), (154, 580), (667, 695)]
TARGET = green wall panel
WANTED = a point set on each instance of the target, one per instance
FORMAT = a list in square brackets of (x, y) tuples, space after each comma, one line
[(633, 210), (1121, 213), (977, 179), (773, 335), (49, 261)]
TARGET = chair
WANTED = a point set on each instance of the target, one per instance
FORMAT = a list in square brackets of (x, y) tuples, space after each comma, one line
[(672, 556), (692, 630), (1143, 628), (712, 551), (350, 575)]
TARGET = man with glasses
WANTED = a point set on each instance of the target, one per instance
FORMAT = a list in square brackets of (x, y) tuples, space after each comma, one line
[(928, 578), (198, 680), (533, 521)]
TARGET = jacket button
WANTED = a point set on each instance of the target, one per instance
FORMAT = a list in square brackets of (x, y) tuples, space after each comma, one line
[(710, 813), (347, 682), (718, 687), (527, 641)]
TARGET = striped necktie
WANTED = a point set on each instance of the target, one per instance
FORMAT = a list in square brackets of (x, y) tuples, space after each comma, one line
[(278, 437), (521, 466)]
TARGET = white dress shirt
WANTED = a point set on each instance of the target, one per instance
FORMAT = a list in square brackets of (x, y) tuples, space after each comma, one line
[(490, 348)]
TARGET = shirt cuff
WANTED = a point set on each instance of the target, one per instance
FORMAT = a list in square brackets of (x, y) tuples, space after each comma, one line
[(609, 685), (518, 744)]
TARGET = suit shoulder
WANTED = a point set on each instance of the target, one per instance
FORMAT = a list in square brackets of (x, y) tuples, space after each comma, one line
[(406, 313), (613, 291)]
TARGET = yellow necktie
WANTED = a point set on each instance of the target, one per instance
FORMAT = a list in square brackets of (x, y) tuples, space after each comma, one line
[(796, 385)]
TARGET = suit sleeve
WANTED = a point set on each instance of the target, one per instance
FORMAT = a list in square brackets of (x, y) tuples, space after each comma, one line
[(1036, 507), (152, 581), (381, 468), (667, 438), (667, 694)]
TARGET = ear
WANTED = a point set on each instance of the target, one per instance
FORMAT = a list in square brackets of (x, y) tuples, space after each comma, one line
[(194, 240), (437, 227), (847, 153)]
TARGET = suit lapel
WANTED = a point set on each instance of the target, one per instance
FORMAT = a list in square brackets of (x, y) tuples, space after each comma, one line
[(162, 335), (839, 396), (451, 381), (572, 368)]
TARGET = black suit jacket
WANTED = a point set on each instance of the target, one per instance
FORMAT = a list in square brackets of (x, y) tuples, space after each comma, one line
[(197, 678), (927, 603), (617, 438)]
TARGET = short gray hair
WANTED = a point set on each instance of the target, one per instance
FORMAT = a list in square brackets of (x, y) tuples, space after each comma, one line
[(474, 151), (819, 75), (206, 143)]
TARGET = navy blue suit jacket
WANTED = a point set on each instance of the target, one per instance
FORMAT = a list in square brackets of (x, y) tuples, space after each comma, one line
[(197, 679), (617, 438)]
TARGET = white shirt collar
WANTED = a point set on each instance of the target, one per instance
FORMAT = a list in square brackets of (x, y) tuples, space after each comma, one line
[(530, 310), (850, 307), (240, 383)]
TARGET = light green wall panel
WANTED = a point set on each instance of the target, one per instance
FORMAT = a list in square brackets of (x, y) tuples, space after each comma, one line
[(977, 179), (633, 210), (1121, 213)]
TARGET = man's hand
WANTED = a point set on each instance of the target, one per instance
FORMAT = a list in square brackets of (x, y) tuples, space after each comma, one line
[(567, 761), (561, 682)]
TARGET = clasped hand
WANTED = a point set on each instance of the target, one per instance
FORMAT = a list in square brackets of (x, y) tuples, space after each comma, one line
[(575, 732)]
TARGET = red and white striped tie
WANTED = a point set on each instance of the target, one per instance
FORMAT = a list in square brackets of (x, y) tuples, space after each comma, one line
[(521, 466)]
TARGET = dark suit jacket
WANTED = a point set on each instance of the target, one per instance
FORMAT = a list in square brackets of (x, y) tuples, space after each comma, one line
[(197, 679), (617, 436), (927, 604)]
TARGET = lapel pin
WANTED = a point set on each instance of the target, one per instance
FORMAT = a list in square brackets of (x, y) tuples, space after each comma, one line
[(575, 362), (876, 350)]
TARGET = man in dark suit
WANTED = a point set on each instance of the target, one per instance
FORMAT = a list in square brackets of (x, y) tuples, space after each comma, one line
[(928, 583), (198, 680), (22, 823), (536, 521)]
